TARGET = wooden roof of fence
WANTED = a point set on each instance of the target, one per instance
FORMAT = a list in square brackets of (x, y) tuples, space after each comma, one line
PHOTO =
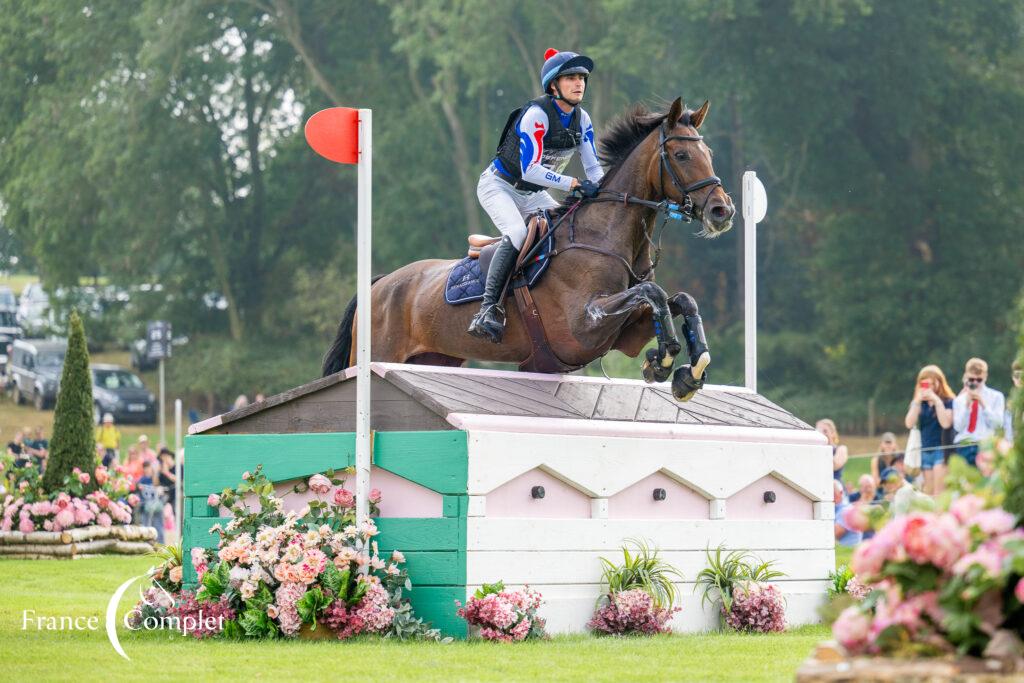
[(417, 397)]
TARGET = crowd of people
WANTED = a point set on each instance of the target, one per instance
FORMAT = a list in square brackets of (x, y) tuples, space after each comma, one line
[(152, 471), (943, 424)]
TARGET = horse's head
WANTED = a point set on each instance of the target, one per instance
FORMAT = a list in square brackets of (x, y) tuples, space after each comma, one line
[(681, 170)]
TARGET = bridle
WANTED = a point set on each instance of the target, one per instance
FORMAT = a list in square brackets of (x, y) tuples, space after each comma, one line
[(686, 208), (665, 209)]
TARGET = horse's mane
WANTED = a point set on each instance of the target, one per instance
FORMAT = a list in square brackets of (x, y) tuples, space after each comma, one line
[(624, 133)]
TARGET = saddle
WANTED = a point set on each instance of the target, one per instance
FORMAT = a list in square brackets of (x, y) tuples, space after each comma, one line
[(466, 283)]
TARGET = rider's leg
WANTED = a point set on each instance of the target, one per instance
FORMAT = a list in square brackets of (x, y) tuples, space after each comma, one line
[(505, 206)]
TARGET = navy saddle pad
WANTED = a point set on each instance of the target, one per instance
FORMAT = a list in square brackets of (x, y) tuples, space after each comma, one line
[(467, 277)]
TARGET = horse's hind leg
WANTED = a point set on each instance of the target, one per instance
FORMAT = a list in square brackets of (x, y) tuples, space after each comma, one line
[(691, 377)]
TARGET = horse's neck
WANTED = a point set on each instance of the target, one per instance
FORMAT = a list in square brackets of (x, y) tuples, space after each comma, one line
[(616, 227)]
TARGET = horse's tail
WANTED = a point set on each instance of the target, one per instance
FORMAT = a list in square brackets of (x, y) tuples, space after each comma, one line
[(336, 358)]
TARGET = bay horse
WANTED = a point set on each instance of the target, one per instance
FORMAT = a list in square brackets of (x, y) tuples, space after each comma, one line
[(598, 293)]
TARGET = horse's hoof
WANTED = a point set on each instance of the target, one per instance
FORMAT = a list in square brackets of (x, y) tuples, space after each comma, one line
[(655, 371), (686, 383)]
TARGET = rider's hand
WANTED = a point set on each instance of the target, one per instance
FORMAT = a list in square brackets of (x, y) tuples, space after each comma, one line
[(588, 188), (573, 185)]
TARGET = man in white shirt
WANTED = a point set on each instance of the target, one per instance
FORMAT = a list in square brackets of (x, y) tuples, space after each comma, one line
[(978, 410)]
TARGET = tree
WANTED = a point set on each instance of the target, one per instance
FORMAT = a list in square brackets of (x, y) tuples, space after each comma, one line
[(73, 443)]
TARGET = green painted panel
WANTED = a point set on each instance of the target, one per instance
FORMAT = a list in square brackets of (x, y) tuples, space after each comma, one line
[(427, 568), (199, 508), (437, 460), (216, 461), (451, 506), (409, 534), (436, 604), (197, 532)]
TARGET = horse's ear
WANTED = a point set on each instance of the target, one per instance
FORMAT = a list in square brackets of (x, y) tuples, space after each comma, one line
[(697, 117), (674, 112)]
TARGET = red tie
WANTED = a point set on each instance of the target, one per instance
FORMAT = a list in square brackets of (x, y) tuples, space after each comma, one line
[(974, 417)]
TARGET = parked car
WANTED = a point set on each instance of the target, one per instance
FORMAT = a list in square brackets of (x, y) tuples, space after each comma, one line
[(121, 393), (34, 370), (33, 307), (9, 331), (7, 299)]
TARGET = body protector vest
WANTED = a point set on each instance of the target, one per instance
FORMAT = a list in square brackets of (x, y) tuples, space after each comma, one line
[(560, 142)]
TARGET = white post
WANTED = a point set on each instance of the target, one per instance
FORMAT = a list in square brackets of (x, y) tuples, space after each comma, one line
[(363, 266), (755, 205), (163, 429), (177, 467)]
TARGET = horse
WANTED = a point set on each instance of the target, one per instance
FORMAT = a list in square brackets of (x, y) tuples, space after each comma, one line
[(599, 292)]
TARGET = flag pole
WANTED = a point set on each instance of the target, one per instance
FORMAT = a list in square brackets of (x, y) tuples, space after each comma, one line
[(364, 442)]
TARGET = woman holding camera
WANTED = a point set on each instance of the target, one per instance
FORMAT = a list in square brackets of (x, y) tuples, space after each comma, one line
[(931, 412)]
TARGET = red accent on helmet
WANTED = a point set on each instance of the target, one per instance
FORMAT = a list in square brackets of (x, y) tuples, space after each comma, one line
[(549, 53)]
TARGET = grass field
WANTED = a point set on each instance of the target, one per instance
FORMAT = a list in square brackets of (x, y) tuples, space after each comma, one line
[(17, 282), (83, 588)]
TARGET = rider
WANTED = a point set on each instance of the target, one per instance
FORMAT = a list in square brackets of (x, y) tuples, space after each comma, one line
[(536, 145)]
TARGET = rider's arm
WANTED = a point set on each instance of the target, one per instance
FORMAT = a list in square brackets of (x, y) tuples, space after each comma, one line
[(588, 150), (531, 129)]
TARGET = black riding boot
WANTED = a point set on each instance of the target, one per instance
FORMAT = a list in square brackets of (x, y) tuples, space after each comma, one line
[(489, 323)]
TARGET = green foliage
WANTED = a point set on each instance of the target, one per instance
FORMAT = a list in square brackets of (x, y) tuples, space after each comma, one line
[(1015, 458), (215, 583), (74, 441), (489, 589), (838, 580), (256, 624), (724, 575), (310, 604), (642, 570)]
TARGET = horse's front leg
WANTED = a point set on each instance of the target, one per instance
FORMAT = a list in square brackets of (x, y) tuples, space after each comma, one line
[(690, 378), (658, 363)]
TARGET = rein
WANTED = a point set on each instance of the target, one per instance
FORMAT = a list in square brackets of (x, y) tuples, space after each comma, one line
[(664, 210)]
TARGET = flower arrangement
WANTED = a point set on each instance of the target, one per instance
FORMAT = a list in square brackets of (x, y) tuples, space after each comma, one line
[(503, 615), (640, 594), (939, 582), (845, 582), (310, 572), (102, 497), (757, 608), (738, 583)]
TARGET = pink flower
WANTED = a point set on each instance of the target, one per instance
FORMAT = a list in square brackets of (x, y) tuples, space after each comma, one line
[(852, 629), (1018, 592), (133, 500), (83, 516), (947, 539), (995, 521), (397, 557), (175, 574), (83, 477), (66, 518), (343, 498), (989, 556), (26, 526), (213, 500), (319, 484), (102, 475), (965, 507), (103, 519), (856, 518), (374, 495), (915, 538), (247, 475)]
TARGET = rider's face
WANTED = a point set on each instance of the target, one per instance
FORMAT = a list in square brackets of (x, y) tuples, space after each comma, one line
[(572, 86)]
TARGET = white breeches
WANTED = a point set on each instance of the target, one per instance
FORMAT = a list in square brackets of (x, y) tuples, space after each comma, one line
[(509, 207)]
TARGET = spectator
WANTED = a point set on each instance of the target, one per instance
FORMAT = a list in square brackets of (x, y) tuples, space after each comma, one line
[(844, 534), (930, 412), (259, 397), (167, 476), (1017, 375), (135, 465), (867, 490), (888, 449), (147, 453), (151, 499), (978, 410), (110, 438), (899, 492), (241, 402), (839, 452), (40, 447), (16, 449)]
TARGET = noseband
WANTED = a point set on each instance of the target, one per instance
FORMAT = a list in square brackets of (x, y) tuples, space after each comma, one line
[(687, 206)]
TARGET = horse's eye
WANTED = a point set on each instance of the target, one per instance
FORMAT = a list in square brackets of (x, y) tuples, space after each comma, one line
[(682, 156)]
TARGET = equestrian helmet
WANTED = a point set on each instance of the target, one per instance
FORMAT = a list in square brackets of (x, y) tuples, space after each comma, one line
[(562, 64)]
